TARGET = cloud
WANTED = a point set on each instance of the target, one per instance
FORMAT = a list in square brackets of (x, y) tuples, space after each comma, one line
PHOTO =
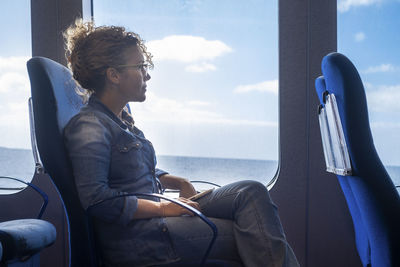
[(271, 86), (202, 67), (382, 68), (187, 48), (193, 50), (10, 64), (359, 37), (13, 77), (158, 109), (14, 94), (345, 5), (384, 98), (198, 103), (13, 82)]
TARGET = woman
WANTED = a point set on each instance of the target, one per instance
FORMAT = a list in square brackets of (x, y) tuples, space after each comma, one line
[(111, 157)]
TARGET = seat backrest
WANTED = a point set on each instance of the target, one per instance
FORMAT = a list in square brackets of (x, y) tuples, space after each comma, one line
[(55, 101), (372, 198)]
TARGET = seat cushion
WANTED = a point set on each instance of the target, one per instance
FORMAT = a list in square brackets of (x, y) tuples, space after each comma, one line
[(23, 238)]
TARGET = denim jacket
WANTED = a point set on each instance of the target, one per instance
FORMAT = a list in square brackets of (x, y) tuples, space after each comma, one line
[(109, 159)]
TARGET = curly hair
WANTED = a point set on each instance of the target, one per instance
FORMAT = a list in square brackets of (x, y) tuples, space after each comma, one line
[(90, 50)]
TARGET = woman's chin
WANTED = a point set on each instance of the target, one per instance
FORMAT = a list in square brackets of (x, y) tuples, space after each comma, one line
[(142, 98), (139, 98), (143, 95)]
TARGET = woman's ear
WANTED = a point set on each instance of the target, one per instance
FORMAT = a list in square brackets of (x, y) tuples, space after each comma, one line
[(112, 75)]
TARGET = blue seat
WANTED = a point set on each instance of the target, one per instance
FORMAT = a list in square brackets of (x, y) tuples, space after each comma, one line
[(372, 198), (22, 240), (55, 102), (52, 110)]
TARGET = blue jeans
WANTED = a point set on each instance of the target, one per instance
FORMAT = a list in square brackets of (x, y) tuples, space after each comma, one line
[(249, 229)]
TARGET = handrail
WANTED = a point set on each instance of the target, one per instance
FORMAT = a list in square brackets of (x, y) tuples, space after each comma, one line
[(193, 210), (37, 189), (205, 182), (38, 165)]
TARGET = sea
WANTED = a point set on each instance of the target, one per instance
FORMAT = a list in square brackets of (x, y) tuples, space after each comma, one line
[(19, 163)]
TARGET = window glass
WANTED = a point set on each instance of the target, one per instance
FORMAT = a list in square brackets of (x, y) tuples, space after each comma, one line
[(368, 33), (15, 49), (212, 103)]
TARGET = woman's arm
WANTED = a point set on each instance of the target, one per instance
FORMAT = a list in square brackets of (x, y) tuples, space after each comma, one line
[(150, 209), (88, 143), (182, 184)]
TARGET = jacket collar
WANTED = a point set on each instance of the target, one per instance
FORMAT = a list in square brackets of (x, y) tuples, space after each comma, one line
[(95, 103)]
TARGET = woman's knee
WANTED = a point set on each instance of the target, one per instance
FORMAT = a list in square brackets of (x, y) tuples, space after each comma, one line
[(252, 186), (255, 191)]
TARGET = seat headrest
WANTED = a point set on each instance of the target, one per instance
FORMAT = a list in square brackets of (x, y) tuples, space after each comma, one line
[(54, 79), (342, 79)]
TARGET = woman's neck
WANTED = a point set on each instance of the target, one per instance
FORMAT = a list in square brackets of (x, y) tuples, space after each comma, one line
[(112, 102)]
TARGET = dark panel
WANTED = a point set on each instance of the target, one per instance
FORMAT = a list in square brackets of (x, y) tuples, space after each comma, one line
[(311, 204), (49, 19), (289, 192)]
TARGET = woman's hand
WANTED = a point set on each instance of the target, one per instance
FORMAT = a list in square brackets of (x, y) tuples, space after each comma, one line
[(174, 182), (170, 209), (186, 189)]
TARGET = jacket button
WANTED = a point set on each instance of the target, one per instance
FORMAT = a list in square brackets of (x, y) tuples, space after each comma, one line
[(164, 229)]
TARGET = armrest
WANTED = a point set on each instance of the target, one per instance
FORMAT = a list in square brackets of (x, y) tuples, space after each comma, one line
[(193, 210), (23, 238), (37, 189)]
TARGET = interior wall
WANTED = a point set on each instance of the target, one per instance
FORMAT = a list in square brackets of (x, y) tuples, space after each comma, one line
[(49, 18), (311, 204)]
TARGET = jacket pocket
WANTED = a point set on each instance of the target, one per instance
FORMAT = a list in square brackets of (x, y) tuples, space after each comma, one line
[(127, 159), (132, 145)]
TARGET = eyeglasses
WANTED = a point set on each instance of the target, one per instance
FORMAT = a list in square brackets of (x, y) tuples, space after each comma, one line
[(142, 66)]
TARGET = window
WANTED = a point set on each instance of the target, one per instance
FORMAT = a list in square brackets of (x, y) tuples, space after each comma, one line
[(212, 103), (368, 32), (15, 49)]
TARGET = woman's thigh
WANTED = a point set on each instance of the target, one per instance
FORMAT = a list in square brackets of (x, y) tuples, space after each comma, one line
[(226, 201), (191, 238)]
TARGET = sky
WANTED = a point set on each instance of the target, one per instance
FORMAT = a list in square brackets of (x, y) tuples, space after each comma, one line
[(369, 34), (214, 88), (15, 50)]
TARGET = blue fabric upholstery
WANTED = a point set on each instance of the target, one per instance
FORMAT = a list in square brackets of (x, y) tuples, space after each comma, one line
[(371, 196), (23, 238)]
